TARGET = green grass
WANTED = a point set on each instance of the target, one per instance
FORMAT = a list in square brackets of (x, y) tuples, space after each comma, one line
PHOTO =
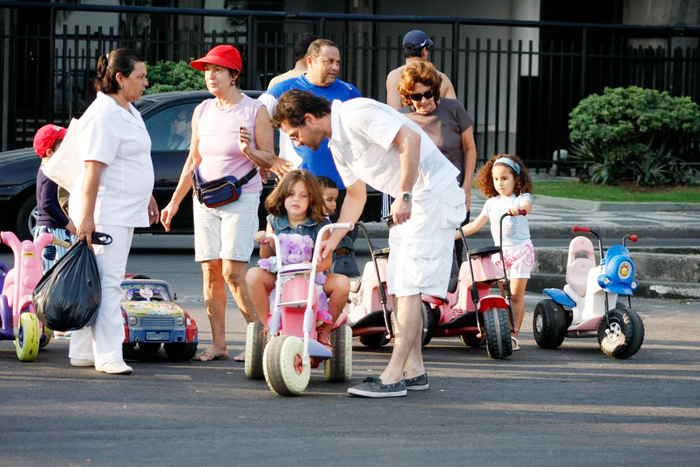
[(578, 190)]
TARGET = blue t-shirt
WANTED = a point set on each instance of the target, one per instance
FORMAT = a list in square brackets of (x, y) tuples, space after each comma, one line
[(319, 162)]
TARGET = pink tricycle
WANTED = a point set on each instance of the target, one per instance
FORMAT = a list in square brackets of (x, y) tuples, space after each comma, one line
[(286, 359), (17, 314)]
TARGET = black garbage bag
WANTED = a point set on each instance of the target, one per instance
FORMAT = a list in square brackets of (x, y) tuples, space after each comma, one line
[(68, 295)]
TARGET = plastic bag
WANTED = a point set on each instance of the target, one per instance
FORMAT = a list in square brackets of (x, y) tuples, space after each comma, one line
[(68, 295)]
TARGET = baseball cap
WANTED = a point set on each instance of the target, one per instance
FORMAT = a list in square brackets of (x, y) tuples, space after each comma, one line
[(417, 38), (46, 137), (226, 56)]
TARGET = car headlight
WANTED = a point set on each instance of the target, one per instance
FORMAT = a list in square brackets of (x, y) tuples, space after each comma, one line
[(179, 320), (603, 281), (133, 320)]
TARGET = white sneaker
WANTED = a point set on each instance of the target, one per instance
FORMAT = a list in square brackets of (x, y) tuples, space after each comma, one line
[(115, 367), (82, 362)]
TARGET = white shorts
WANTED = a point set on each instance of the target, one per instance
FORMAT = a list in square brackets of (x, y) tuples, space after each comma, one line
[(520, 259), (421, 249), (226, 232)]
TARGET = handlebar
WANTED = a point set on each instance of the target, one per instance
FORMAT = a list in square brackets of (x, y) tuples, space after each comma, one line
[(577, 229), (633, 238)]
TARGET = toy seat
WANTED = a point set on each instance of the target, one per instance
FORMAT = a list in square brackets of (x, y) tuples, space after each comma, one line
[(577, 267)]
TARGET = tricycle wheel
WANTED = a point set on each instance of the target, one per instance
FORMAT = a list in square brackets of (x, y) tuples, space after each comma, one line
[(470, 340), (549, 324), (498, 342), (339, 367), (180, 352), (374, 340), (149, 347), (27, 341), (254, 349), (283, 366), (624, 336), (45, 337)]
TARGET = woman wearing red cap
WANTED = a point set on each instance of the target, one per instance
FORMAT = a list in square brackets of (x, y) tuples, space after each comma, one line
[(231, 136)]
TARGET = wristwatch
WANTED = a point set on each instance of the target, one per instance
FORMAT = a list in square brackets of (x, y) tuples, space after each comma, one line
[(406, 196)]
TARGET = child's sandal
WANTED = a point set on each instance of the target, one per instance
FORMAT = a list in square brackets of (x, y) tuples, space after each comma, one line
[(324, 338)]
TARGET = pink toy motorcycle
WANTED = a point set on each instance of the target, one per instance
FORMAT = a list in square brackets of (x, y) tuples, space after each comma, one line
[(470, 310), (293, 349), (369, 309), (17, 314)]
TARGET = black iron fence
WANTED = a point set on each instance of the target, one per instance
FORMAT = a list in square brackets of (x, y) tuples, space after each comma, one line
[(518, 91)]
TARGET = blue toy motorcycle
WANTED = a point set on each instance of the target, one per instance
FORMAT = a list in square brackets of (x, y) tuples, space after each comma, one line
[(583, 308)]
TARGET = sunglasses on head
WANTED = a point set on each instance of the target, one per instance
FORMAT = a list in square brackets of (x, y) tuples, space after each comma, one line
[(417, 97)]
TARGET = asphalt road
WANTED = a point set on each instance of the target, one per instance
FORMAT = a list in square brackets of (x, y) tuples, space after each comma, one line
[(573, 405)]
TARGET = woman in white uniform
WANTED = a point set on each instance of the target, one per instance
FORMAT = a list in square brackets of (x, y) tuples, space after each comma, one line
[(112, 195)]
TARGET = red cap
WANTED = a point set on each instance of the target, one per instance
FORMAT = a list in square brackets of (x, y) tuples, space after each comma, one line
[(226, 56), (46, 137)]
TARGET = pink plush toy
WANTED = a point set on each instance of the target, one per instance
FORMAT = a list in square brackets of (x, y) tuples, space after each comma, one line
[(297, 248)]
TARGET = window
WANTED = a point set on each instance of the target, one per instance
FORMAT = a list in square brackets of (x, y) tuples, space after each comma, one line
[(171, 129)]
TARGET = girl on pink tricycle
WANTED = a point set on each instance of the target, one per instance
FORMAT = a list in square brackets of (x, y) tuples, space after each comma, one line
[(296, 207)]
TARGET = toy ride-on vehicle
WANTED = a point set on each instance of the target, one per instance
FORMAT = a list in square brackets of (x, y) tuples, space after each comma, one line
[(151, 319), (369, 309), (470, 310), (286, 359), (17, 313), (583, 308)]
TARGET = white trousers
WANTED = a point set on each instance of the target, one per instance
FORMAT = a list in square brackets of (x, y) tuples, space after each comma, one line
[(103, 340)]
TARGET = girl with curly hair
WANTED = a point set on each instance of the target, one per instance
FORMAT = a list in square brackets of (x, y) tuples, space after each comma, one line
[(505, 181), (296, 207)]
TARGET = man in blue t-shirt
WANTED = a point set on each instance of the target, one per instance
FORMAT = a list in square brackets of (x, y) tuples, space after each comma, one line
[(321, 79), (323, 65)]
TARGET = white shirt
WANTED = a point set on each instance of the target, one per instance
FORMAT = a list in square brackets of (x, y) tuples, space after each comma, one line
[(516, 228), (363, 131), (118, 138)]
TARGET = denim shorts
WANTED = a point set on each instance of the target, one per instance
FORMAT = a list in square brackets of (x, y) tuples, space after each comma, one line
[(226, 232)]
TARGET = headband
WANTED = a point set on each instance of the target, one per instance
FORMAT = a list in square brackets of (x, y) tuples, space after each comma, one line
[(513, 165)]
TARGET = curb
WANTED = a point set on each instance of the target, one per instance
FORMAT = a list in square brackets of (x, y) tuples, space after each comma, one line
[(646, 289), (548, 229)]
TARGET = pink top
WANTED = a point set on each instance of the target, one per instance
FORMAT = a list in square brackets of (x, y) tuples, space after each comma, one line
[(218, 131)]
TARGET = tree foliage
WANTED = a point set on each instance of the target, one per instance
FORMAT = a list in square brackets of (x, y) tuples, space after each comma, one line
[(174, 76), (634, 133)]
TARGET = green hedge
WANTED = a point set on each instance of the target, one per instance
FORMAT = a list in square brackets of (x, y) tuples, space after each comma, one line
[(635, 134), (174, 76)]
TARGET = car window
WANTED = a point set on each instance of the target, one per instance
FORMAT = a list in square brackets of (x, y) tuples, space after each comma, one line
[(170, 129)]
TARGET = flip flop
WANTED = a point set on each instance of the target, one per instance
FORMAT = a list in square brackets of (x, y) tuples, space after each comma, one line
[(240, 357), (202, 357), (517, 343)]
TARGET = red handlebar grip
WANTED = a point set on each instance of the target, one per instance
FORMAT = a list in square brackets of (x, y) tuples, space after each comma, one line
[(522, 212), (580, 229), (633, 238)]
